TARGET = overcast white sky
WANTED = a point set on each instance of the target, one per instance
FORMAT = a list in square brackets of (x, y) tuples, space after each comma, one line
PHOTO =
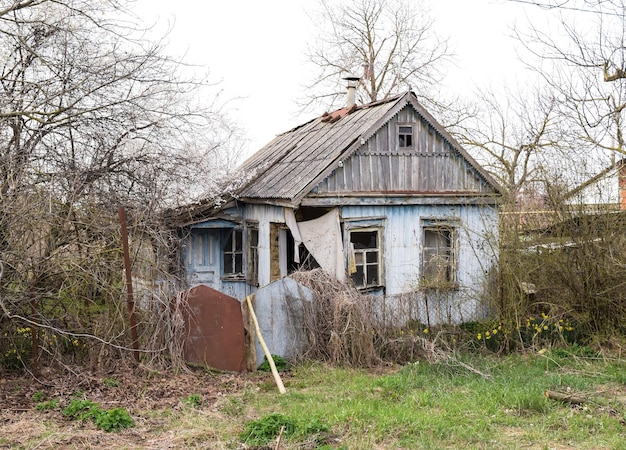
[(256, 49)]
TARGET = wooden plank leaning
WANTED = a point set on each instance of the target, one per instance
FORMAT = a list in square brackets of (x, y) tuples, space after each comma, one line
[(268, 355)]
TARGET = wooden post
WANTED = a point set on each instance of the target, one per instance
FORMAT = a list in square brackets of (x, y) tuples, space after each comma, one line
[(268, 355), (129, 285)]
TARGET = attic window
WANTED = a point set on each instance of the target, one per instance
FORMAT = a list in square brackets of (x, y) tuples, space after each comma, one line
[(405, 136)]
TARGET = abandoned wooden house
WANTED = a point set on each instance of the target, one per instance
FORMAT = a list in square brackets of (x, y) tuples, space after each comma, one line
[(379, 195)]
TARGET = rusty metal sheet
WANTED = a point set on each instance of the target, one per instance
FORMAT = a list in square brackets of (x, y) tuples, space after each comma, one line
[(214, 327)]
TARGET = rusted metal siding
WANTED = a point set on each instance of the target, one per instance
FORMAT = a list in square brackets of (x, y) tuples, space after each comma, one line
[(214, 328)]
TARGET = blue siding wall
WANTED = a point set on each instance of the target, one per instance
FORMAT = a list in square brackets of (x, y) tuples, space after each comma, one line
[(401, 240), (402, 245)]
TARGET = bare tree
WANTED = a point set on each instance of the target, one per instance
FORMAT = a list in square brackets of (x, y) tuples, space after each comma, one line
[(93, 116), (391, 45), (584, 60), (517, 138)]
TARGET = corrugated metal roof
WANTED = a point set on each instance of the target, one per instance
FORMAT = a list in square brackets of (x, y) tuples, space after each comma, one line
[(294, 162)]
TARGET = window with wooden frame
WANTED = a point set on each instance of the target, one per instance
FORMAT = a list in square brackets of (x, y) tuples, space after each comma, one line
[(233, 254), (405, 136), (365, 258), (253, 253), (439, 254)]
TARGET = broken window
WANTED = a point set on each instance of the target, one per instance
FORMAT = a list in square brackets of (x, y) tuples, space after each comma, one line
[(405, 136), (233, 254), (253, 253), (365, 267), (438, 254)]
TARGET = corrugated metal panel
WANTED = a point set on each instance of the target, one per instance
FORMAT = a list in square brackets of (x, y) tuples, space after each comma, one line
[(215, 335)]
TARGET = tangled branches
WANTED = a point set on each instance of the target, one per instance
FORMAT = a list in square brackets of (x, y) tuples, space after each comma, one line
[(344, 326)]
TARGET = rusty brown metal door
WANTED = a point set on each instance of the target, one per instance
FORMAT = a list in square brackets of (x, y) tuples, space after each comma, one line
[(214, 330)]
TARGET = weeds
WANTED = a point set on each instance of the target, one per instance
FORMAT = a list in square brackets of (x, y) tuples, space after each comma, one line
[(193, 400), (47, 405), (279, 362), (262, 431), (267, 429), (109, 382), (111, 420)]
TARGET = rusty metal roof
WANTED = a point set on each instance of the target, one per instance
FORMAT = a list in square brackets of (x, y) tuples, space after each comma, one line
[(294, 162)]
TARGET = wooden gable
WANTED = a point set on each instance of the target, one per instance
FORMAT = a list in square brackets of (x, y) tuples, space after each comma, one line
[(356, 152), (431, 166)]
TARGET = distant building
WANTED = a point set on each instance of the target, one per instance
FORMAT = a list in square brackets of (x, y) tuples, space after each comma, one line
[(605, 191)]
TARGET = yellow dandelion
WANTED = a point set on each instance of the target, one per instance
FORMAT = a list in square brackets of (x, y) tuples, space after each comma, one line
[(479, 336), (425, 330)]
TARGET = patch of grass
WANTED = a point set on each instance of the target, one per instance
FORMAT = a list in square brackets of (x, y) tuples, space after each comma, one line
[(475, 401), (111, 420), (47, 405), (110, 382), (449, 405), (194, 400), (279, 362), (266, 429), (233, 407)]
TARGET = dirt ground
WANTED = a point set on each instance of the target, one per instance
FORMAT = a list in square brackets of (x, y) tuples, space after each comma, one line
[(151, 397)]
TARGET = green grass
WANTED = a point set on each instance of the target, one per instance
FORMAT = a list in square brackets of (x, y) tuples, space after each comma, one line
[(448, 406), (487, 402)]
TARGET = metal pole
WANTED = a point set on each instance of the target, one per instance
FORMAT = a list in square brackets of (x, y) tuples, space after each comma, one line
[(129, 284)]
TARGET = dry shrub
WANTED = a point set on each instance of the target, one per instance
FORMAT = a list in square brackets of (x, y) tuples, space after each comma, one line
[(338, 323), (163, 331), (344, 326)]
